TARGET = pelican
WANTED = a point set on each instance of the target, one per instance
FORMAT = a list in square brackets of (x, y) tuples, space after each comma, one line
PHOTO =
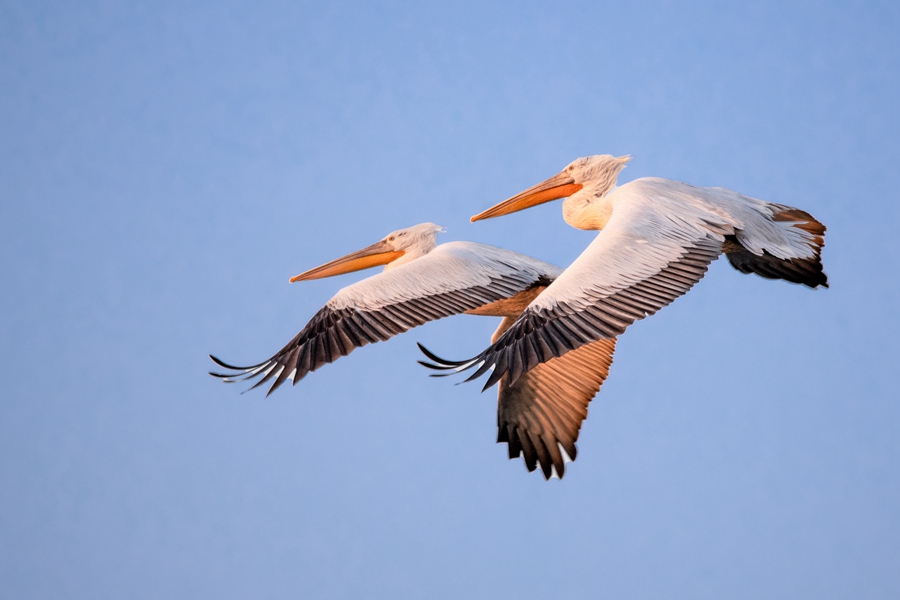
[(657, 240), (538, 416)]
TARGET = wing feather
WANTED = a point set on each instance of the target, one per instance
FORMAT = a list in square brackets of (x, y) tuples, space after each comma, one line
[(545, 407), (656, 246), (639, 263), (449, 280)]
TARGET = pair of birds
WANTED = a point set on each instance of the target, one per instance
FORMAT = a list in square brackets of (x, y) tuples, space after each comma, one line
[(554, 347)]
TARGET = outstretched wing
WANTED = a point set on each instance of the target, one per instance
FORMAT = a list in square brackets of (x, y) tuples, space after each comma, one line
[(449, 280), (657, 244), (539, 415), (644, 258)]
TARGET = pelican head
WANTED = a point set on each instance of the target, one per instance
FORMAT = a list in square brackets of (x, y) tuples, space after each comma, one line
[(591, 177), (396, 248)]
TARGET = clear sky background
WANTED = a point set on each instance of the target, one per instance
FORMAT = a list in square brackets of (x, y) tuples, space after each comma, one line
[(164, 169)]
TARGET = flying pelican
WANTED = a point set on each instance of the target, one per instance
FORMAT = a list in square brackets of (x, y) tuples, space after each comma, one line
[(538, 416), (658, 238)]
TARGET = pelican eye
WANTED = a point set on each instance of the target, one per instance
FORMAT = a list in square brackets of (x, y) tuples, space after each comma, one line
[(391, 238)]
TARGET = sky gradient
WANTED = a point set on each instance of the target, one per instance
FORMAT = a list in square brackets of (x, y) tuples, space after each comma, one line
[(164, 169)]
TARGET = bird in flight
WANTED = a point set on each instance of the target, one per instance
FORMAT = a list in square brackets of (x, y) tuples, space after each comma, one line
[(539, 415), (657, 240)]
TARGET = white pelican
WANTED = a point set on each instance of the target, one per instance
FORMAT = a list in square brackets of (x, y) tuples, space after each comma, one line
[(539, 416), (658, 238)]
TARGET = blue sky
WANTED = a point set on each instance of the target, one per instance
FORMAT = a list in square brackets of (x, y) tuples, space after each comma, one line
[(166, 168)]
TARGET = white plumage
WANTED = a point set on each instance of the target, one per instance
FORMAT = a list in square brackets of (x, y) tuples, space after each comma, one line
[(448, 268), (539, 416), (657, 240)]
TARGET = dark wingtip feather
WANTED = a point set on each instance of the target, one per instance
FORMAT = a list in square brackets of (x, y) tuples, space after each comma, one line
[(222, 363), (482, 369), (233, 377), (443, 375), (442, 361), (225, 365), (495, 376), (281, 379), (428, 365)]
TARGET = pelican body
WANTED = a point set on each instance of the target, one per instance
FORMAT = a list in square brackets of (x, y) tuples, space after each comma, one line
[(539, 415), (657, 238)]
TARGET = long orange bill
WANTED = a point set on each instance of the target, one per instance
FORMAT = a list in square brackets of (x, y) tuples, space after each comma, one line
[(558, 186), (375, 255)]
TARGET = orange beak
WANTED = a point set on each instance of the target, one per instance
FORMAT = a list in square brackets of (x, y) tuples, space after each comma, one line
[(558, 186), (375, 255)]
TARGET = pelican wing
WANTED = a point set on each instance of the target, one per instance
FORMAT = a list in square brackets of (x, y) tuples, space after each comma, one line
[(540, 414), (648, 254), (451, 279)]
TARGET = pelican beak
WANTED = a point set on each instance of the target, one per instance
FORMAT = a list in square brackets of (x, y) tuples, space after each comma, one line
[(375, 255), (558, 186)]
